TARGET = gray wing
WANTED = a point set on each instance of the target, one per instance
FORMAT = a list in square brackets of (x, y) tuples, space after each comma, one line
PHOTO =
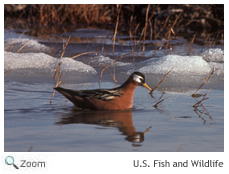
[(101, 94)]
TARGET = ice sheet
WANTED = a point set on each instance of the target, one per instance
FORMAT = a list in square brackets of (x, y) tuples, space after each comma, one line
[(214, 55), (102, 60), (26, 45), (42, 61), (193, 65)]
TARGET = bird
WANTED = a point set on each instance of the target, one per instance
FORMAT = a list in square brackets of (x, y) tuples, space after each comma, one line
[(119, 98)]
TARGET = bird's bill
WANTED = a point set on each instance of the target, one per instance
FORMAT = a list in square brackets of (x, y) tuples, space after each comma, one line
[(145, 85)]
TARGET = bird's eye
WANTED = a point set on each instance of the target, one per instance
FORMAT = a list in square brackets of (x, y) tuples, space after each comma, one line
[(137, 78)]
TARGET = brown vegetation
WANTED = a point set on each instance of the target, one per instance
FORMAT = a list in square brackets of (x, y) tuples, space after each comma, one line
[(152, 20), (195, 95)]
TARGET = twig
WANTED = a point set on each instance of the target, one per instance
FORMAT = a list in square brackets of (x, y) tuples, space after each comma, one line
[(151, 30), (161, 81), (112, 75), (146, 25), (167, 43), (57, 84), (57, 51), (189, 50), (58, 66), (22, 34), (159, 102), (135, 41), (147, 130), (206, 80), (161, 90), (179, 49), (30, 149), (153, 12), (116, 27), (24, 46), (78, 56), (131, 19), (9, 45), (14, 40), (154, 51), (104, 68), (171, 31), (198, 103), (205, 42), (6, 72)]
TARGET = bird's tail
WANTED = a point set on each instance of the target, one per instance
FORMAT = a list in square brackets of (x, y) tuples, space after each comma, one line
[(69, 94)]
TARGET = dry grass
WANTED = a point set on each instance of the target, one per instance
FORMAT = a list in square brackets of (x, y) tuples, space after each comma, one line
[(104, 68), (24, 46), (150, 23), (157, 19), (157, 86), (156, 105), (190, 47), (151, 92), (116, 27), (60, 13), (199, 102), (145, 29), (30, 149), (59, 64), (202, 111), (58, 82), (133, 36), (205, 41), (6, 72), (171, 31), (58, 69), (14, 40), (195, 95), (147, 130)]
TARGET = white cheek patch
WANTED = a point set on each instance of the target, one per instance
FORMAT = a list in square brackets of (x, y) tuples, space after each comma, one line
[(137, 78)]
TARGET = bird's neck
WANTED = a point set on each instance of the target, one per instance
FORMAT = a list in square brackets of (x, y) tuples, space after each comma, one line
[(129, 87)]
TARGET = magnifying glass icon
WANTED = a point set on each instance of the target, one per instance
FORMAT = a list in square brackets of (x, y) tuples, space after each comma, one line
[(10, 161)]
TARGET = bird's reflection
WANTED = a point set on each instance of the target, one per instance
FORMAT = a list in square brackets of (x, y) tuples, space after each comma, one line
[(121, 119)]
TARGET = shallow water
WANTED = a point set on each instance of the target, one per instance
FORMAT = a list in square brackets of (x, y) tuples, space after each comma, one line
[(32, 123)]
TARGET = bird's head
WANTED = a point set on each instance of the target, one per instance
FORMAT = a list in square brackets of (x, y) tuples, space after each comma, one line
[(139, 78)]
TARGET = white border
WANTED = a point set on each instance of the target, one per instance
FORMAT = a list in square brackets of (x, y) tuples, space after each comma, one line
[(115, 162)]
